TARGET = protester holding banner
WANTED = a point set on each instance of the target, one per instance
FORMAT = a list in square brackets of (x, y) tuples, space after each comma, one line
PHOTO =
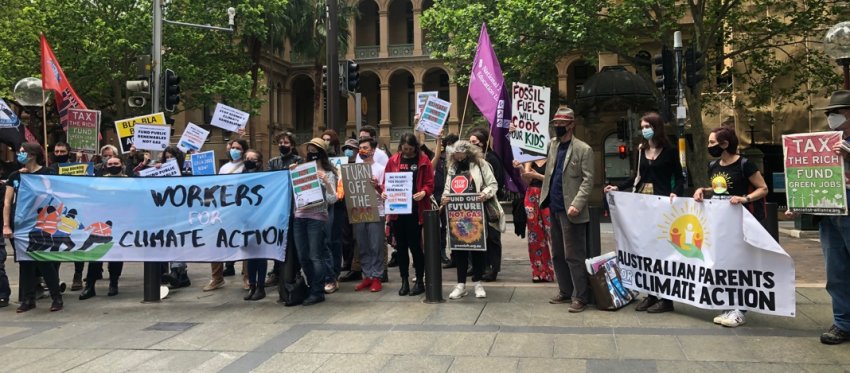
[(407, 228), (735, 178), (31, 156), (380, 154), (106, 152), (439, 164), (566, 189), (179, 275), (481, 137), (256, 268), (659, 173), (62, 154), (350, 150), (336, 219), (288, 147), (311, 224), (468, 172), (370, 235), (835, 234), (102, 231)]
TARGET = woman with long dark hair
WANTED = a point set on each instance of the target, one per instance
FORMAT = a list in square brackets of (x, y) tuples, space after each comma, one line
[(31, 157), (658, 173), (407, 228), (256, 268)]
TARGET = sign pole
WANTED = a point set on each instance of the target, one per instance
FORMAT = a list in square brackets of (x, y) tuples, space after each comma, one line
[(152, 271)]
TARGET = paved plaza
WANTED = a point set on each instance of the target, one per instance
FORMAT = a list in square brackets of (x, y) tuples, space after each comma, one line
[(513, 329)]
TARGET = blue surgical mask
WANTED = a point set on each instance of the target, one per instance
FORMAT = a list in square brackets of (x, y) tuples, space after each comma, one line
[(235, 154), (647, 133), (349, 153), (22, 157)]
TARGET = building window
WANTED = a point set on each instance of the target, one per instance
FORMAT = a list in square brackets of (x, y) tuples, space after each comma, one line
[(409, 13)]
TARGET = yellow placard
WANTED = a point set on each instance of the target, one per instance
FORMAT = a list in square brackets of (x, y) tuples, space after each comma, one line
[(77, 169), (124, 127)]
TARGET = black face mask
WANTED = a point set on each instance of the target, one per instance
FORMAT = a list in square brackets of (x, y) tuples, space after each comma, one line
[(560, 131), (114, 170), (284, 150), (61, 158), (312, 156), (250, 164), (715, 151), (463, 164)]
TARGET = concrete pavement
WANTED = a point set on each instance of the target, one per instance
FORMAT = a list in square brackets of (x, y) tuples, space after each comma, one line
[(513, 329)]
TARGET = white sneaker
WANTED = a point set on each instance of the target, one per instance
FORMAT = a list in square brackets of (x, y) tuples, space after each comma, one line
[(479, 291), (458, 292), (719, 318), (734, 318)]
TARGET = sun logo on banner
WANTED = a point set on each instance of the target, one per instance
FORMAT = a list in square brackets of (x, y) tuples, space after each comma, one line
[(683, 229)]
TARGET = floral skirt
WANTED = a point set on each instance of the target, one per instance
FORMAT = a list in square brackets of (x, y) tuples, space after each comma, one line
[(538, 226)]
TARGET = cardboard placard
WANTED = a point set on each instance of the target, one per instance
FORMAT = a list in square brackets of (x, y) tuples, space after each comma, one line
[(467, 228), (530, 108), (361, 198), (307, 186)]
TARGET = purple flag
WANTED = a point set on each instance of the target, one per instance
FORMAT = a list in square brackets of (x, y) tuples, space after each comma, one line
[(487, 90)]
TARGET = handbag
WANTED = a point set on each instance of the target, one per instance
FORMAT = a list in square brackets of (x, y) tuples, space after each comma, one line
[(491, 212)]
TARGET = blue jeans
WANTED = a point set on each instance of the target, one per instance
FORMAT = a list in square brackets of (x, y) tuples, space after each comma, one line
[(333, 240), (312, 252), (835, 241)]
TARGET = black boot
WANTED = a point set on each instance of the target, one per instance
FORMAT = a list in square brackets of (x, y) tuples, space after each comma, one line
[(418, 286), (183, 278), (385, 277), (88, 292), (57, 304), (229, 270), (251, 292), (260, 293), (171, 278), (26, 305), (405, 287), (113, 287), (392, 262)]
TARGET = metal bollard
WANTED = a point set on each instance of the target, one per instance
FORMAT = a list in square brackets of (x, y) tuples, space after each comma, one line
[(771, 221), (594, 233), (151, 282), (433, 262)]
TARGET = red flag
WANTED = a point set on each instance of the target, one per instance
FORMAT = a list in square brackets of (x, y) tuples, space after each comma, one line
[(53, 78)]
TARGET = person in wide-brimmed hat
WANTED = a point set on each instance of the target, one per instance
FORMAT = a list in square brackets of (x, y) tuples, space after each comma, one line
[(835, 232)]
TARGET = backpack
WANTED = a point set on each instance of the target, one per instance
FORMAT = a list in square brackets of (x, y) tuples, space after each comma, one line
[(757, 207)]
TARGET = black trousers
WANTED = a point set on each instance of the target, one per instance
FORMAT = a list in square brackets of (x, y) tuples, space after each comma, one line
[(96, 268), (408, 237), (494, 249), (28, 278), (462, 261)]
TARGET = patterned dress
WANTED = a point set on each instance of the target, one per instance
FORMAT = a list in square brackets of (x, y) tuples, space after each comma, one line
[(538, 226)]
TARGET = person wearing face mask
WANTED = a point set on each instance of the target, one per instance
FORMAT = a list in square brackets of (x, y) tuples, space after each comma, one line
[(285, 272), (256, 268), (380, 154), (835, 231), (337, 216), (566, 189), (735, 178), (332, 138), (372, 250), (102, 232), (658, 165), (351, 273), (407, 228), (479, 137), (439, 163), (236, 165), (108, 151), (178, 277), (31, 157), (62, 154)]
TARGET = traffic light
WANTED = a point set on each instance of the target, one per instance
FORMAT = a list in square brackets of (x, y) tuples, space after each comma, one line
[(665, 80), (140, 89), (353, 76), (693, 67), (172, 90), (622, 151), (325, 80), (622, 129)]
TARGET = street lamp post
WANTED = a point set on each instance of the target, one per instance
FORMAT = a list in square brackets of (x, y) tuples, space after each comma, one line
[(837, 45)]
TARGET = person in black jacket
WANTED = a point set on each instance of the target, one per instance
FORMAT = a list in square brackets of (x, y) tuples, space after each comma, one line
[(438, 162), (288, 147), (658, 173), (481, 137)]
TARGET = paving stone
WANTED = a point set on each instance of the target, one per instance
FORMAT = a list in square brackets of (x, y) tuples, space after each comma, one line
[(465, 364), (655, 347), (349, 342), (671, 366), (418, 364), (47, 360), (536, 365), (116, 361), (763, 367), (347, 363), (631, 366), (789, 350), (462, 344), (814, 295), (453, 313), (585, 346), (531, 345), (716, 348), (188, 361), (405, 343), (309, 341), (293, 362)]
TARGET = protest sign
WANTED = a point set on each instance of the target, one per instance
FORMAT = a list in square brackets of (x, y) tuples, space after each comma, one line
[(530, 108), (204, 219), (338, 162), (433, 116), (147, 137), (228, 118), (398, 186), (83, 129), (8, 119), (361, 198), (203, 163), (467, 229), (76, 169), (421, 97), (712, 255), (193, 138), (124, 128), (169, 168), (307, 186), (814, 174)]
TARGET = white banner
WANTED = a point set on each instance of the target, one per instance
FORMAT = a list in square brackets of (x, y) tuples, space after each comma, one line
[(711, 255), (147, 137), (229, 118), (398, 187), (169, 168), (193, 138), (530, 120)]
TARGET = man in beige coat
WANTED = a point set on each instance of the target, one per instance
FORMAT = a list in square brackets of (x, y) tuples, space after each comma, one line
[(566, 189)]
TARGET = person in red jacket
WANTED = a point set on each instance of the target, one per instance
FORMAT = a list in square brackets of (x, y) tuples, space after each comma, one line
[(407, 228)]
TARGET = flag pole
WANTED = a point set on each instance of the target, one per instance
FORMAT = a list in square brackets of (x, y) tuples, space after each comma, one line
[(44, 121), (463, 116)]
